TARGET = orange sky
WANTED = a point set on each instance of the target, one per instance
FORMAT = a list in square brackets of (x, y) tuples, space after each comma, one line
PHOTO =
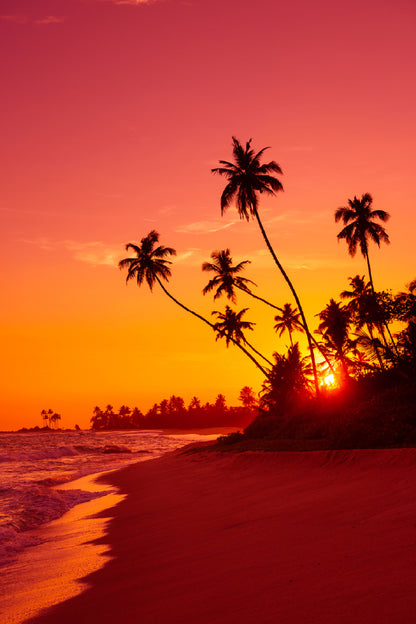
[(113, 114)]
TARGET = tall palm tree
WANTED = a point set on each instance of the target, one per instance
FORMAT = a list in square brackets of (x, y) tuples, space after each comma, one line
[(360, 227), (288, 320), (150, 264), (231, 327), (247, 178)]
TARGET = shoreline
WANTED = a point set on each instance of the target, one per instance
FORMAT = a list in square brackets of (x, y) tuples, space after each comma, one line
[(321, 536)]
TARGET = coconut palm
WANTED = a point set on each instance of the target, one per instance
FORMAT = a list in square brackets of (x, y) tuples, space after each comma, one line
[(247, 178), (288, 380), (50, 413), (364, 310), (360, 227), (231, 327), (150, 264), (226, 278), (335, 321), (44, 415), (288, 320)]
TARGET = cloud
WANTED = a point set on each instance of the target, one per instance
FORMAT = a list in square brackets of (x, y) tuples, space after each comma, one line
[(132, 2), (93, 252), (50, 19), (203, 227), (17, 19), (24, 19)]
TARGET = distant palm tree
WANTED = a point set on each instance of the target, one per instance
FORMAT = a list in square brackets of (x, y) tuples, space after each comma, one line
[(150, 264), (44, 415), (247, 177), (50, 413), (54, 419), (231, 327), (360, 228), (288, 320)]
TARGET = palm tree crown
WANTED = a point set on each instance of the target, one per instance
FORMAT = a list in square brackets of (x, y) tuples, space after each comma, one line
[(360, 228), (230, 325), (246, 178), (227, 277), (150, 263), (288, 320)]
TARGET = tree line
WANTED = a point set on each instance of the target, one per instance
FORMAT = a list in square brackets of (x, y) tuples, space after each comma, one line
[(172, 413)]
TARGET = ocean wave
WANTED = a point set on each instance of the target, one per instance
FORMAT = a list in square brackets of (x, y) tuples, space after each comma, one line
[(68, 450), (36, 505)]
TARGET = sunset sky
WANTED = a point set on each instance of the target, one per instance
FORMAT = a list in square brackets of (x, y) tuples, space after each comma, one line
[(113, 114)]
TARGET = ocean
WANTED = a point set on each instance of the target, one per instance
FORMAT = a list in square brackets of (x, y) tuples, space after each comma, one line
[(34, 465)]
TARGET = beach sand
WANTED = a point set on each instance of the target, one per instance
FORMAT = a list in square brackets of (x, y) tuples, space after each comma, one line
[(203, 537)]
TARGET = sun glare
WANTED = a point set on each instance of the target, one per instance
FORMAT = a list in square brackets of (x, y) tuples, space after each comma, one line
[(329, 381)]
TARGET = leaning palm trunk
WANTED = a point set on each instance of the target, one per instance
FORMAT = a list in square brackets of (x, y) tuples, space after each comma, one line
[(201, 318), (283, 272), (384, 323), (257, 352)]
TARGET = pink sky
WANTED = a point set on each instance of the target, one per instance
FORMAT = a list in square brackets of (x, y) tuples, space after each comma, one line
[(113, 114)]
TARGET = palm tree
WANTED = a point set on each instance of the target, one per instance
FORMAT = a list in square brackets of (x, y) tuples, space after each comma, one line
[(54, 419), (50, 413), (335, 320), (289, 379), (360, 228), (247, 177), (150, 265), (288, 320), (227, 277), (44, 415), (363, 308), (230, 326)]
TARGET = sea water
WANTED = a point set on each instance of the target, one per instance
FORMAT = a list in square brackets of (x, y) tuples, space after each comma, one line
[(33, 464)]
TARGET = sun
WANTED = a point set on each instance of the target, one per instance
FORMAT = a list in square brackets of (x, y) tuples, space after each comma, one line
[(329, 380)]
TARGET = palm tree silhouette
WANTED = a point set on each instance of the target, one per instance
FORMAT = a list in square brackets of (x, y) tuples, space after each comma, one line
[(247, 177), (363, 307), (227, 278), (288, 320), (150, 265), (230, 326), (335, 320), (360, 228)]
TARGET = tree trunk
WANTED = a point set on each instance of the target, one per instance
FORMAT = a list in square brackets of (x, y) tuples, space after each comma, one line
[(289, 283)]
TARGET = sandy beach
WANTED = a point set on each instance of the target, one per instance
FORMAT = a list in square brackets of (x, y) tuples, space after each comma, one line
[(323, 537)]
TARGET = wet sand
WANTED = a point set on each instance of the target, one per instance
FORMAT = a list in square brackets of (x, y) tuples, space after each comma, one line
[(314, 537)]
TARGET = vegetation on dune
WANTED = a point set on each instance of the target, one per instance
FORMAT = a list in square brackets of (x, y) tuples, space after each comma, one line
[(356, 386)]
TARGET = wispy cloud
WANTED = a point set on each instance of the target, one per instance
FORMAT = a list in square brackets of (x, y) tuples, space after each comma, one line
[(93, 252), (132, 2), (203, 227), (25, 19), (17, 19), (50, 19)]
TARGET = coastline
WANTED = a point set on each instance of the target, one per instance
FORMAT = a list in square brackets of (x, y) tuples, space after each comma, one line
[(323, 536)]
